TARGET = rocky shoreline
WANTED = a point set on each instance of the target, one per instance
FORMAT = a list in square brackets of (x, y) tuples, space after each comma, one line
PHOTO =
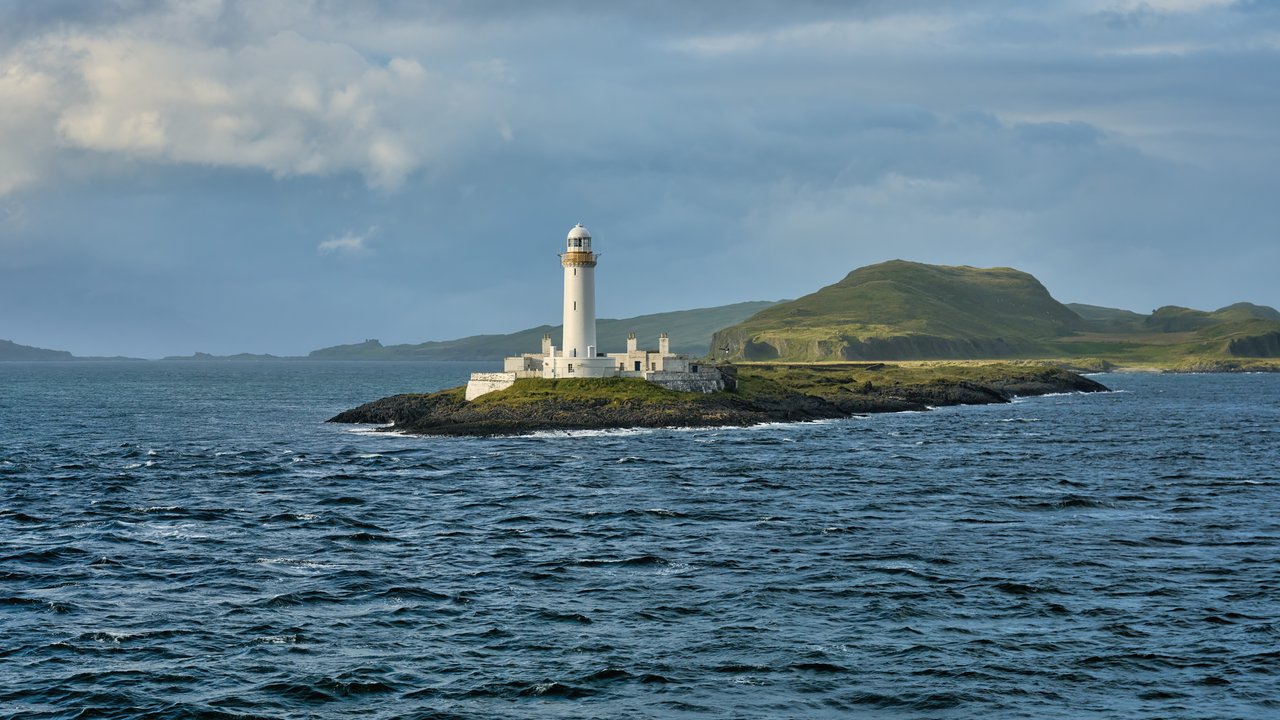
[(763, 394)]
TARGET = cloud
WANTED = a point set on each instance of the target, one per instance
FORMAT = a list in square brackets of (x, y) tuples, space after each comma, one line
[(159, 88), (30, 101), (348, 244)]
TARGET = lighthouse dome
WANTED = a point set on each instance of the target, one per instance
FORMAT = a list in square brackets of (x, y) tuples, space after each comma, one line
[(579, 239)]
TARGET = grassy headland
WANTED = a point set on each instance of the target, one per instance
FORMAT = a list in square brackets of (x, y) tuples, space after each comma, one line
[(911, 311)]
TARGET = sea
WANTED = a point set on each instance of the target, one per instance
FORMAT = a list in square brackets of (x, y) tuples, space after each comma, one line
[(192, 540)]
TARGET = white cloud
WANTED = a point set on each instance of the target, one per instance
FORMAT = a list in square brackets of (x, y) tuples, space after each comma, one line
[(348, 244), (158, 89), (29, 98)]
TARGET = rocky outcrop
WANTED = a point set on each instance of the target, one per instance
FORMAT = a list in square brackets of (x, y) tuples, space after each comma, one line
[(1260, 346), (499, 413), (403, 409), (911, 346)]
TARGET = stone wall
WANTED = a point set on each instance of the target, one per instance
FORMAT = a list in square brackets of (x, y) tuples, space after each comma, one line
[(481, 383), (706, 380), (568, 367)]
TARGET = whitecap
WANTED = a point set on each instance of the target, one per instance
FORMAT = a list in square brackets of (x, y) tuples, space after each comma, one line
[(294, 562), (608, 432), (277, 639), (1024, 398), (675, 568), (378, 430)]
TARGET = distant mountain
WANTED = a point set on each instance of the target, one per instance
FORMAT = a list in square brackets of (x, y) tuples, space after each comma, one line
[(239, 357), (690, 332), (12, 351), (900, 309), (912, 311)]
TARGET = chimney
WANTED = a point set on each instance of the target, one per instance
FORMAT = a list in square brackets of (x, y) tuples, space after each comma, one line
[(664, 344), (546, 344), (631, 343)]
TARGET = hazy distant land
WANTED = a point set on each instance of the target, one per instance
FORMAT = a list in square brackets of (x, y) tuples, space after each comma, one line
[(12, 351), (690, 332)]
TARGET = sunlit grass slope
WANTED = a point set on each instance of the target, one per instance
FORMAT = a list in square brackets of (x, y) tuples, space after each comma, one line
[(903, 311)]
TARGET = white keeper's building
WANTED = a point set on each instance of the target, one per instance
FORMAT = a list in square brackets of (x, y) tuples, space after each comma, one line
[(579, 357)]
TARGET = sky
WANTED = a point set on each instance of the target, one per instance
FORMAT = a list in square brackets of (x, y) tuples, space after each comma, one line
[(276, 176)]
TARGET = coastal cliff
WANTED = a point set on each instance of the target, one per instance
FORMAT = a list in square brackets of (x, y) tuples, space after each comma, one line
[(763, 393)]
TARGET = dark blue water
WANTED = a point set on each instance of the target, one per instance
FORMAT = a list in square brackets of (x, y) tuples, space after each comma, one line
[(191, 540)]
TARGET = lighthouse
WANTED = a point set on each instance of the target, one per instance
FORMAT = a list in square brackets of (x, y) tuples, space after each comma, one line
[(579, 357), (579, 264)]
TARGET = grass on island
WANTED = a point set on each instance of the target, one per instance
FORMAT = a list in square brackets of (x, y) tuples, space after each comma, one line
[(770, 381), (826, 380), (613, 389)]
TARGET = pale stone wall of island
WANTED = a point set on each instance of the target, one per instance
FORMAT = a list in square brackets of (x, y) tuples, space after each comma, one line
[(481, 383), (700, 380)]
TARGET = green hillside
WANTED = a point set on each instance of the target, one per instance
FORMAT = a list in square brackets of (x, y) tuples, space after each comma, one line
[(1178, 337), (911, 311), (1105, 319), (690, 332), (903, 310)]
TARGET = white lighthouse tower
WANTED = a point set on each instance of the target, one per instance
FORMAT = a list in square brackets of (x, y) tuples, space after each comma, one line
[(579, 357), (579, 295)]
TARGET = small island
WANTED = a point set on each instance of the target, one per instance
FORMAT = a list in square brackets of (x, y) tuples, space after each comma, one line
[(575, 386), (754, 394)]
